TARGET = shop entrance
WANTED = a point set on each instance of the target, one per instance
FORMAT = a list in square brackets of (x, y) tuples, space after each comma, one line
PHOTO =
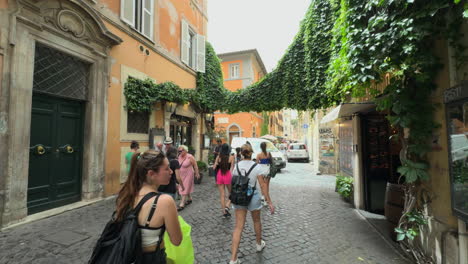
[(380, 160), (181, 130)]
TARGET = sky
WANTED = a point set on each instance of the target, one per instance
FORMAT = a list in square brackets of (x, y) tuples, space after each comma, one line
[(266, 25)]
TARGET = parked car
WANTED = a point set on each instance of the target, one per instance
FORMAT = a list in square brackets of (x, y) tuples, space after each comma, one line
[(298, 151), (278, 157)]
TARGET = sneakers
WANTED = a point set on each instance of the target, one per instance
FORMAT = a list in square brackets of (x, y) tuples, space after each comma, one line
[(261, 246), (237, 261)]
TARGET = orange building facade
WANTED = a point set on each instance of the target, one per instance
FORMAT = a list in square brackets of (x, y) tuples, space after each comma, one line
[(64, 127), (172, 49), (240, 69)]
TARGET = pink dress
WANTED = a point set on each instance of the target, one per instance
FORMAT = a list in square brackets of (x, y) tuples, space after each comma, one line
[(187, 174)]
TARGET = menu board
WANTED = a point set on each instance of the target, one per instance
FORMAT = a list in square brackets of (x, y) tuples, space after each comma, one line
[(346, 147)]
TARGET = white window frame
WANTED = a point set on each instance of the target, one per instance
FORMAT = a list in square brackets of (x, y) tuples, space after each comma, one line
[(192, 47), (232, 67), (138, 13)]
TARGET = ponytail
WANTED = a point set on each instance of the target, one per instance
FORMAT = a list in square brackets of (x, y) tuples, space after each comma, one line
[(263, 147)]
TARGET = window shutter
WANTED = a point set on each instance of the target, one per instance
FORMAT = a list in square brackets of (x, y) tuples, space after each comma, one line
[(147, 18), (127, 11), (201, 53), (184, 45)]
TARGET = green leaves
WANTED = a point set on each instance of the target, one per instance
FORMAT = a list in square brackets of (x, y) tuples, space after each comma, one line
[(412, 223), (414, 171), (344, 186)]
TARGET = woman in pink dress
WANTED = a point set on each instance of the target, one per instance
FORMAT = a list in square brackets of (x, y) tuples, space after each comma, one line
[(188, 166), (224, 164)]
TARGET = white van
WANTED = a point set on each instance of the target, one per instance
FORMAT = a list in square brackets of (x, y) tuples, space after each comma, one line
[(278, 157)]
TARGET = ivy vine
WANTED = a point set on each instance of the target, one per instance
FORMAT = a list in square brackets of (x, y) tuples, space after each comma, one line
[(208, 96), (345, 49)]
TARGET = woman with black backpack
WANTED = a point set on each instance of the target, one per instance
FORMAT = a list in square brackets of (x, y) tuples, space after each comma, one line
[(247, 168), (148, 171)]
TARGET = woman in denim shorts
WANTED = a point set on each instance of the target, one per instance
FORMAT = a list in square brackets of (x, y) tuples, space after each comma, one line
[(255, 180)]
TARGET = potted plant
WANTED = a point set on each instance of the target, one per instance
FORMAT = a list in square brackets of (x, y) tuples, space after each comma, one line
[(344, 186), (202, 168), (210, 165)]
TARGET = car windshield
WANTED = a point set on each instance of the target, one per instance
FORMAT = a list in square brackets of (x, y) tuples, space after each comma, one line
[(297, 147), (256, 146)]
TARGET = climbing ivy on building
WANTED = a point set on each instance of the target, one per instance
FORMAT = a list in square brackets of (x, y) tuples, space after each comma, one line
[(208, 96)]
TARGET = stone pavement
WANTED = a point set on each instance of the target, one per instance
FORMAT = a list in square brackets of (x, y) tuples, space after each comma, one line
[(311, 225)]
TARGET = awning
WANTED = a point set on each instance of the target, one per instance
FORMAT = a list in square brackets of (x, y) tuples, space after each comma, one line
[(347, 109)]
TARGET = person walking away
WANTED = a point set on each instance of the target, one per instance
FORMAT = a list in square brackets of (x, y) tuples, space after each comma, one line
[(148, 171), (134, 146), (171, 188), (224, 164), (264, 159), (217, 148), (188, 167), (238, 154), (255, 205)]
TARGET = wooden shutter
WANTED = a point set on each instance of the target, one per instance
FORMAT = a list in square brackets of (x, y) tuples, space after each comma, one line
[(127, 11), (200, 53), (147, 19), (184, 42)]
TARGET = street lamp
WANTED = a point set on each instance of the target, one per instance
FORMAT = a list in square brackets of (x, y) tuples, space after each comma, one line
[(171, 107), (208, 116)]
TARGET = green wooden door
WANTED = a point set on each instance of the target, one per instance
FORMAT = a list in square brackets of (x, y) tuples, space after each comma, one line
[(56, 152)]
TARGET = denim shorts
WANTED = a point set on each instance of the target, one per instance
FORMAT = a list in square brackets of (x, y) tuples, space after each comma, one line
[(255, 203)]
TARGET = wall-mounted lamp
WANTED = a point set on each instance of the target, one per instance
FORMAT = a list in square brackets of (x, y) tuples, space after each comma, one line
[(171, 107), (208, 117)]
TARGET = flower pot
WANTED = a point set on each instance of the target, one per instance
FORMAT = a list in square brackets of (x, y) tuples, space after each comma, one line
[(198, 181)]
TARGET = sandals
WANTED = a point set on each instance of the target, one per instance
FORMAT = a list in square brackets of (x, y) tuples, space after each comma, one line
[(180, 208), (226, 213), (188, 202)]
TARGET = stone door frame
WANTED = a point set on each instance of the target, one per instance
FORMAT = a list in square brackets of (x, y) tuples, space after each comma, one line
[(73, 28)]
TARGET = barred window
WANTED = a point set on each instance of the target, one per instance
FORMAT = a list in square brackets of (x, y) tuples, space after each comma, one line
[(138, 122)]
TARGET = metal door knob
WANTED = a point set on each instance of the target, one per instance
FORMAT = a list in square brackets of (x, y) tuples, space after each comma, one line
[(40, 150)]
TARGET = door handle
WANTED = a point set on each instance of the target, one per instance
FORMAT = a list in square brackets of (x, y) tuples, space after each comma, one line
[(39, 149), (67, 149)]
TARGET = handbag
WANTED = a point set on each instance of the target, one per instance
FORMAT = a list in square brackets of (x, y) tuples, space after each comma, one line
[(182, 254), (273, 167)]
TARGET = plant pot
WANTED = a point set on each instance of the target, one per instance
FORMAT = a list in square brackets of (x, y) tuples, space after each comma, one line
[(198, 181), (211, 171)]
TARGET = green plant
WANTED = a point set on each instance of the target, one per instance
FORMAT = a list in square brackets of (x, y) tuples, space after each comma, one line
[(202, 165), (208, 96), (411, 229), (211, 158), (344, 186)]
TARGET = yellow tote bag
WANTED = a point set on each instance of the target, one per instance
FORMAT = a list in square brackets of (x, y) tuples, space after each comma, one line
[(182, 254)]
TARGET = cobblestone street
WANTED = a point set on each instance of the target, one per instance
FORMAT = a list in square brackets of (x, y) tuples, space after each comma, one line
[(311, 225)]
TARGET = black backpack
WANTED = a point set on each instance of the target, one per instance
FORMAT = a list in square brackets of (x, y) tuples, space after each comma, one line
[(241, 193), (120, 242)]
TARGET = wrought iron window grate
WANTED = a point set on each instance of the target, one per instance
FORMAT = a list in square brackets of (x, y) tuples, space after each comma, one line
[(138, 122), (60, 74)]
